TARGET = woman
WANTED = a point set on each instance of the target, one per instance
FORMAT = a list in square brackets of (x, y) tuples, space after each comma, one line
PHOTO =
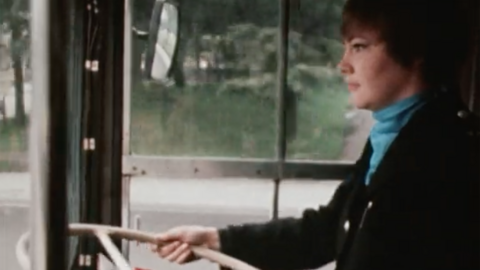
[(412, 200)]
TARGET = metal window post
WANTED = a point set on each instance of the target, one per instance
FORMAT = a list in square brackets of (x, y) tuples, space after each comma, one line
[(127, 86), (48, 133), (282, 66)]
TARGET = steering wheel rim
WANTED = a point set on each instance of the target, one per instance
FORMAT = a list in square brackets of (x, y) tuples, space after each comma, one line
[(104, 232)]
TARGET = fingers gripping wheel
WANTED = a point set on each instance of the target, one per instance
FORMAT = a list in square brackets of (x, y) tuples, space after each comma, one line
[(103, 233)]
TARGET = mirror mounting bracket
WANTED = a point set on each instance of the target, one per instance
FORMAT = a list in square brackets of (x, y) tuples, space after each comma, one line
[(143, 35)]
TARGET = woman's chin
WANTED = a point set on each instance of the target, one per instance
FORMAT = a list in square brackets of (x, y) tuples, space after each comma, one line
[(357, 102)]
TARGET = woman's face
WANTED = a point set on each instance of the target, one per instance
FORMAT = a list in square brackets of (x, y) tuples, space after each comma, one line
[(375, 79)]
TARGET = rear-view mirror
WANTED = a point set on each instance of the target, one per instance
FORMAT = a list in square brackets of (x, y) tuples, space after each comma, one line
[(162, 41)]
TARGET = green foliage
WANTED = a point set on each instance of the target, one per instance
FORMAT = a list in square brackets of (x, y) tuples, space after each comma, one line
[(202, 122), (237, 117), (14, 21), (13, 147), (301, 78), (231, 110), (247, 46), (14, 17)]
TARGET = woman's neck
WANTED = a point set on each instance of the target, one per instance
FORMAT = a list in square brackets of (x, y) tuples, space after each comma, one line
[(399, 108)]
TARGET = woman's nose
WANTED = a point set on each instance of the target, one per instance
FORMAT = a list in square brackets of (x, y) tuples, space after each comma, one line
[(344, 67)]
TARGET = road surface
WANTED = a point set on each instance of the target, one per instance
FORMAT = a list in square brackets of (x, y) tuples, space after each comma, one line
[(14, 221)]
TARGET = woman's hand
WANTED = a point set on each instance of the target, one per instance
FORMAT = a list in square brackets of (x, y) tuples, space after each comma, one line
[(174, 244)]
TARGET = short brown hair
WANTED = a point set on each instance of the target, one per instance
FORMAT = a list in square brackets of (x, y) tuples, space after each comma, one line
[(433, 31)]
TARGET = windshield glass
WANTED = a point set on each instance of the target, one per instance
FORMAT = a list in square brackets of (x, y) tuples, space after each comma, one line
[(222, 98)]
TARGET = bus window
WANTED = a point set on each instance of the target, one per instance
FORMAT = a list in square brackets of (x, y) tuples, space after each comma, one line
[(15, 104), (220, 101)]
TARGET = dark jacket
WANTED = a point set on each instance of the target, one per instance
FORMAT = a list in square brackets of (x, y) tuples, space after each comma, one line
[(420, 211)]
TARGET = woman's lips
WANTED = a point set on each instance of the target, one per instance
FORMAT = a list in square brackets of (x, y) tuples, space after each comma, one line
[(353, 86)]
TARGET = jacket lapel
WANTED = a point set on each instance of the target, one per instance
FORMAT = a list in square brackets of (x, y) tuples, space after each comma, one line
[(357, 177)]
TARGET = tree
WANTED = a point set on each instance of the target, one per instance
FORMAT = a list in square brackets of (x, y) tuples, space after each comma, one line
[(14, 20)]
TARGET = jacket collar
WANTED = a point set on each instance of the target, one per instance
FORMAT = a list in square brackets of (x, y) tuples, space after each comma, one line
[(423, 125)]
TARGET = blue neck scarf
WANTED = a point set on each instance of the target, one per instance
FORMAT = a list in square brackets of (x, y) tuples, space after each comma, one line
[(390, 121)]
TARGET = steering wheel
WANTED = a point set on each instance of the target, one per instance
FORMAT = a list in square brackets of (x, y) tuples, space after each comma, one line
[(104, 232)]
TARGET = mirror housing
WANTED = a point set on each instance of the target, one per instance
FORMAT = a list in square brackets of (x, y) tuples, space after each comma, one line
[(163, 37)]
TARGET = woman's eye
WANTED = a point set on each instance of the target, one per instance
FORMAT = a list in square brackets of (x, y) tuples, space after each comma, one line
[(358, 47)]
